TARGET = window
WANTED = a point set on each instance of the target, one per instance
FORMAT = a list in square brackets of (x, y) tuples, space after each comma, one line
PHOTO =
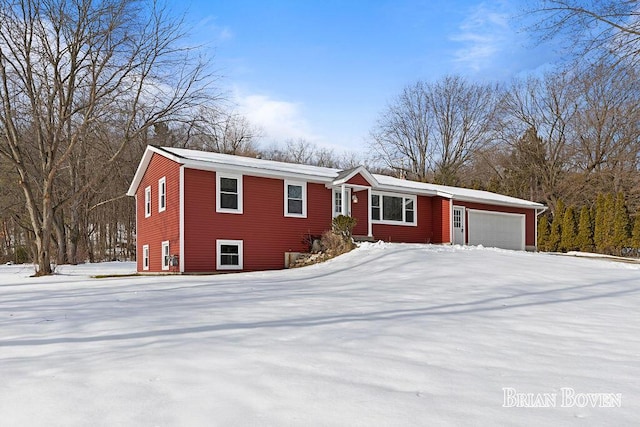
[(457, 218), (228, 193), (295, 199), (166, 258), (393, 209), (375, 207), (147, 202), (162, 194), (229, 254), (408, 210), (145, 257), (337, 197)]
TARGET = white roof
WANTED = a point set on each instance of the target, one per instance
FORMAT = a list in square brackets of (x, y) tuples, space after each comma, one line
[(330, 176), (457, 193), (249, 162)]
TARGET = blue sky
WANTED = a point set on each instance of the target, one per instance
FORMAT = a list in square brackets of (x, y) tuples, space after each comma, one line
[(324, 70)]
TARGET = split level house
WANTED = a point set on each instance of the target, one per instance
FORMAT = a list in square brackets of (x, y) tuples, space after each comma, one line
[(209, 212)]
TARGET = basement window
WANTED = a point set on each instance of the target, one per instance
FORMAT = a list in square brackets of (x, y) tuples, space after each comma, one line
[(145, 257), (165, 255), (229, 254)]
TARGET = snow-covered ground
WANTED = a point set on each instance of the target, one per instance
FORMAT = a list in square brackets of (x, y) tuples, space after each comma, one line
[(389, 334)]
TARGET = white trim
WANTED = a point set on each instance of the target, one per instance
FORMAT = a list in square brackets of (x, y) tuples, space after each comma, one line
[(463, 223), (535, 225), (451, 221), (302, 184), (182, 251), (167, 257), (369, 225), (238, 179), (162, 191), (148, 207), (358, 170), (346, 193), (240, 244), (402, 196), (335, 191), (145, 257)]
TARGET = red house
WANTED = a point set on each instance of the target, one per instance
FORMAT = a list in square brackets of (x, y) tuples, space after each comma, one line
[(205, 212)]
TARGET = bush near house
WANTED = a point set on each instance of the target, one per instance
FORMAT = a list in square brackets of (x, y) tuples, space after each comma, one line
[(336, 242)]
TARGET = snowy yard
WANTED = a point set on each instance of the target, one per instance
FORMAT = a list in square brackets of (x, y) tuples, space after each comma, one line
[(385, 335)]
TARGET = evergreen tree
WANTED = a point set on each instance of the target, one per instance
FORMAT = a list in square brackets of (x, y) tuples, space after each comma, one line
[(584, 241), (599, 231), (556, 227), (621, 225), (569, 230), (543, 234), (635, 236), (608, 214)]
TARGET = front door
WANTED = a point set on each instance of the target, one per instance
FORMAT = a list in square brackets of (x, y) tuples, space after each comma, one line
[(337, 201), (458, 225)]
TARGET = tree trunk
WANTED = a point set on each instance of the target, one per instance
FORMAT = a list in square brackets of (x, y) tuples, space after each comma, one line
[(61, 237), (74, 233)]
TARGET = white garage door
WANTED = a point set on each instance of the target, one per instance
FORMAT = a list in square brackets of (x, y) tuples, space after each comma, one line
[(494, 229)]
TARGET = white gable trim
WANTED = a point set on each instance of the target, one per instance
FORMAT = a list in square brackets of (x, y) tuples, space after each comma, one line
[(144, 164), (359, 170)]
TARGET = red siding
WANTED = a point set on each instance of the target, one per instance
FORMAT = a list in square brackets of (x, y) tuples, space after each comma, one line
[(266, 233), (358, 179), (160, 226), (421, 233), (360, 211), (441, 223), (530, 217)]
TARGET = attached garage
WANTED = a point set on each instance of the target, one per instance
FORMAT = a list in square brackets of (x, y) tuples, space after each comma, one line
[(496, 229)]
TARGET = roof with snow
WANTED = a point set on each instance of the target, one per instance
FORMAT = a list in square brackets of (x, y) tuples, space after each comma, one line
[(329, 176)]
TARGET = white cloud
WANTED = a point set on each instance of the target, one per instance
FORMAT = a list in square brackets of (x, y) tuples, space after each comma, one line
[(209, 29), (484, 34), (279, 120)]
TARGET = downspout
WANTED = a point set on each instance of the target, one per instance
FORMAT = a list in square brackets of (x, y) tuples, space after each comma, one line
[(451, 221), (182, 251), (137, 228), (370, 227), (536, 225)]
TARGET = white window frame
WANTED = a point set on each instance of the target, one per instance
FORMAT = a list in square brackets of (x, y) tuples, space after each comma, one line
[(238, 178), (302, 184), (404, 197), (166, 255), (147, 202), (145, 257), (162, 194), (337, 207), (240, 244)]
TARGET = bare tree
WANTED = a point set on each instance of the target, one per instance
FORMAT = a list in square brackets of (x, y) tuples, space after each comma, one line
[(464, 115), (222, 132), (543, 108), (93, 73), (607, 128), (432, 130), (401, 139), (599, 27)]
